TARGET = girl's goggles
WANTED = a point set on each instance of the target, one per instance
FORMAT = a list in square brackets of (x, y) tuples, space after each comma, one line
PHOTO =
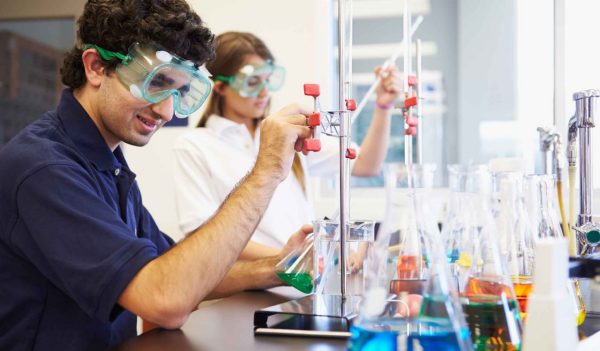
[(153, 74), (251, 80)]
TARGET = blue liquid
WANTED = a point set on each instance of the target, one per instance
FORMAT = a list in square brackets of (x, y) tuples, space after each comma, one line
[(384, 335), (453, 255)]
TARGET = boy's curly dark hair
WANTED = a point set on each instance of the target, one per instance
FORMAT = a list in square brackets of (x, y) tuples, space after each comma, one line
[(116, 24)]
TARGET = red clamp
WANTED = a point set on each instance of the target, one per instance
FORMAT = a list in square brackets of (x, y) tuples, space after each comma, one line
[(412, 81), (410, 102), (313, 120), (311, 145), (410, 131), (350, 104), (350, 153), (412, 121), (312, 90)]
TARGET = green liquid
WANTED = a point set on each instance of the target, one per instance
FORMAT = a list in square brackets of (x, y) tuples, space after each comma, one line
[(300, 281), (494, 325), (435, 307)]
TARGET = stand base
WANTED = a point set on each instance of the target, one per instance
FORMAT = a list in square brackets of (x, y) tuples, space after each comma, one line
[(311, 316)]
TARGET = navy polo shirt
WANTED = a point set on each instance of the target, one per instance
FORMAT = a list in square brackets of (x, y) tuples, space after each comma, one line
[(73, 234)]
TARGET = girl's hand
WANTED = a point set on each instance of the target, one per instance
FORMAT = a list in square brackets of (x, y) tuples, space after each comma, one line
[(388, 89)]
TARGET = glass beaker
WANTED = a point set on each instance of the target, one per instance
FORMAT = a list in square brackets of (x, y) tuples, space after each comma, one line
[(326, 262)]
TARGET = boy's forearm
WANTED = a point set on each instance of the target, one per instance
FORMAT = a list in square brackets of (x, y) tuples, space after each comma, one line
[(182, 277), (248, 275)]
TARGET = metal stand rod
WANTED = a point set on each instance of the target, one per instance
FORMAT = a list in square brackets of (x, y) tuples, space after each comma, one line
[(419, 107), (408, 153), (344, 87)]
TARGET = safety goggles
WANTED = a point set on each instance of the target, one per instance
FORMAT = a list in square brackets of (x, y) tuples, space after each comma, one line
[(251, 80), (153, 74)]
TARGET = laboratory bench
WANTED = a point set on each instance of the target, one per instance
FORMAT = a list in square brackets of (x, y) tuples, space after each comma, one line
[(228, 324)]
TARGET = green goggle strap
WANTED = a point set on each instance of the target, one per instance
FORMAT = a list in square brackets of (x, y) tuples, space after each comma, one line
[(226, 79), (108, 55)]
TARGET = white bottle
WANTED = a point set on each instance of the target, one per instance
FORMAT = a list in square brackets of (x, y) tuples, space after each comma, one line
[(551, 324)]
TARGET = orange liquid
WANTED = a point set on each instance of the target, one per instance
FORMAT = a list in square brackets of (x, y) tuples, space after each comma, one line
[(408, 267), (479, 290), (410, 286), (492, 315), (523, 287)]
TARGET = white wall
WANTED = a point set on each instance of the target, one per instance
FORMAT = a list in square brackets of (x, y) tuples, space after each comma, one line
[(535, 78), (487, 72), (297, 33), (582, 66)]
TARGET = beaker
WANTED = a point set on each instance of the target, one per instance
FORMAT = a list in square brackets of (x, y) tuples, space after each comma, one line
[(326, 266)]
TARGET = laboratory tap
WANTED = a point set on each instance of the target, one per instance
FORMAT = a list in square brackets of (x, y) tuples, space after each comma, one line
[(588, 232), (550, 141)]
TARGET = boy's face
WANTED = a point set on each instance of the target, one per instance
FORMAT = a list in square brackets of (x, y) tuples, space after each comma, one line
[(124, 118)]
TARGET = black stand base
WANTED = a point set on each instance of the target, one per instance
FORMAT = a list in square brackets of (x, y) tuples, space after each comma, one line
[(313, 316)]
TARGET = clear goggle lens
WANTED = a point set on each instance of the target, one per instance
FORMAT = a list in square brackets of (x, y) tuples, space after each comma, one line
[(251, 80), (153, 74)]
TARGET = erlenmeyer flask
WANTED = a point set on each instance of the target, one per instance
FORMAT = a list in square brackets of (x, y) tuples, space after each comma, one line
[(397, 313), (406, 243), (296, 267), (453, 226), (544, 219), (515, 234), (457, 235), (488, 298)]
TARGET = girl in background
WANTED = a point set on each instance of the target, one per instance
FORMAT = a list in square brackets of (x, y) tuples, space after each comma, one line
[(213, 158)]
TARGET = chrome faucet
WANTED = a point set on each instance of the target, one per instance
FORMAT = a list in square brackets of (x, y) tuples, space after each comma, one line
[(588, 232), (550, 141)]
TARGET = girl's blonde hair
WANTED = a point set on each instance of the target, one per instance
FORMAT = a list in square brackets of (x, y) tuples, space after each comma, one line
[(232, 49)]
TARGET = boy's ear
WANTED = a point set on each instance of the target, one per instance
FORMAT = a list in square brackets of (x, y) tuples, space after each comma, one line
[(219, 87), (94, 70)]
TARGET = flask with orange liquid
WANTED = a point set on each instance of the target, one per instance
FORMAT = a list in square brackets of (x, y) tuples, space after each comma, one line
[(487, 295), (516, 234)]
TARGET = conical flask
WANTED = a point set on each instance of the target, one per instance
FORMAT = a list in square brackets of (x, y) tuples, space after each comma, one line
[(406, 244), (515, 234), (488, 297), (544, 221), (457, 232), (414, 306), (296, 267)]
